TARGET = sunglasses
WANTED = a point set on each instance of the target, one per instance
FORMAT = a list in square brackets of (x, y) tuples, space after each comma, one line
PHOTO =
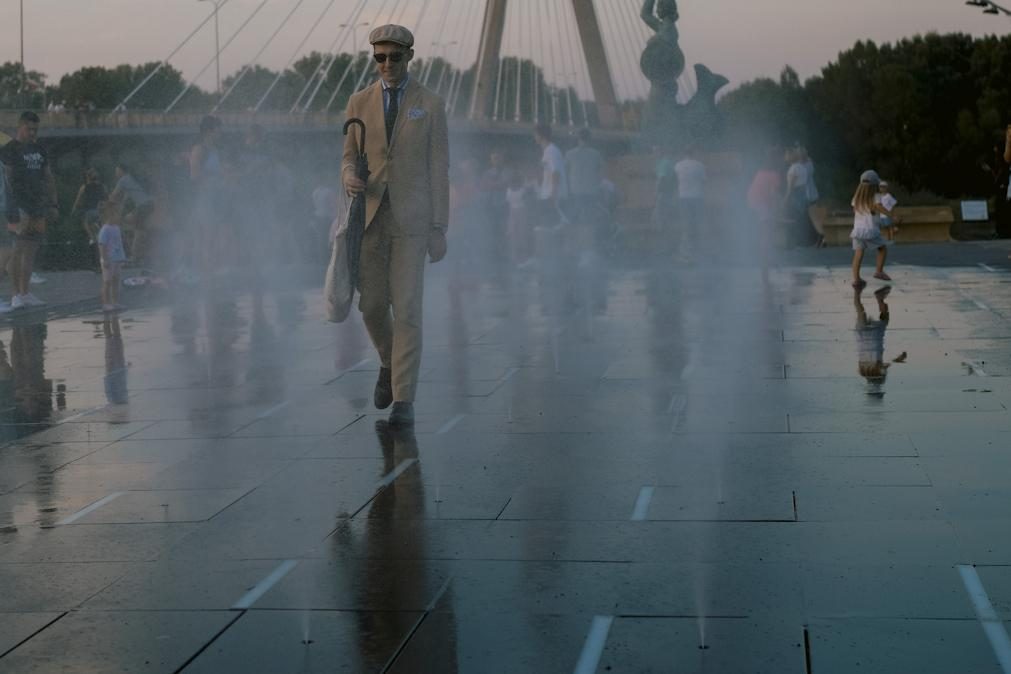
[(396, 57)]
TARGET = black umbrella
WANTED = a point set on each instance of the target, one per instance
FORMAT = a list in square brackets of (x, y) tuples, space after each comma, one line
[(356, 216)]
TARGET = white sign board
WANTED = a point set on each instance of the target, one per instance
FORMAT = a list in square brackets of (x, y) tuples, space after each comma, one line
[(975, 211)]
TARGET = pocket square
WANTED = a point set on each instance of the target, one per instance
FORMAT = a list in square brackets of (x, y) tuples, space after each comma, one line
[(416, 113)]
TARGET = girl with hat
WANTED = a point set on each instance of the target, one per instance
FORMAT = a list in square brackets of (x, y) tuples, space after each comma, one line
[(866, 232)]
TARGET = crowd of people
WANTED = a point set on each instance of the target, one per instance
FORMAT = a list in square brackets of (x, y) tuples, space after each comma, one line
[(210, 210)]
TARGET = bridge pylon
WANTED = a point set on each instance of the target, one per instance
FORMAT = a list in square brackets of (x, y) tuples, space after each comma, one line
[(482, 100)]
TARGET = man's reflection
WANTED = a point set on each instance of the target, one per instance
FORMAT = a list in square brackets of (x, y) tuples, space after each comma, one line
[(115, 363), (389, 567), (871, 341), (33, 393)]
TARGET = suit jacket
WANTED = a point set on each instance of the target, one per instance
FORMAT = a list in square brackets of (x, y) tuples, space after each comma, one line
[(414, 166)]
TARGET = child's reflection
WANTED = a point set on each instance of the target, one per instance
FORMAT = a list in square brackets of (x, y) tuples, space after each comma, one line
[(871, 341)]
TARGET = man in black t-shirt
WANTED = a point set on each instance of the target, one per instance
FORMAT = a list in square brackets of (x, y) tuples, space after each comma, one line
[(31, 203)]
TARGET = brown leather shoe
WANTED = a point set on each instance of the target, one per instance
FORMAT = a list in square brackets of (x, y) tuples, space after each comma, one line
[(402, 415), (383, 396)]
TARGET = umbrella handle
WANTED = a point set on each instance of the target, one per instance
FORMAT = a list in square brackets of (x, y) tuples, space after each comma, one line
[(357, 122)]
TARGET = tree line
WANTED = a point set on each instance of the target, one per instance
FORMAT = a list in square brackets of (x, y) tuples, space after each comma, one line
[(925, 112), (294, 88)]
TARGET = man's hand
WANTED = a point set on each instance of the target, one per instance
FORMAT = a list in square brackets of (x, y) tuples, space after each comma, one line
[(437, 245), (354, 185)]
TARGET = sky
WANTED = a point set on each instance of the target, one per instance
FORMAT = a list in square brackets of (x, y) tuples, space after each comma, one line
[(742, 39)]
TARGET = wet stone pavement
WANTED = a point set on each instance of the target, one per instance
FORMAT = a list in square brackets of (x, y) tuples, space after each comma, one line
[(673, 469)]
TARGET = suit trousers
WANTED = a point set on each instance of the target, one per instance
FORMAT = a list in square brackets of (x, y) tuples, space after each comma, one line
[(392, 284)]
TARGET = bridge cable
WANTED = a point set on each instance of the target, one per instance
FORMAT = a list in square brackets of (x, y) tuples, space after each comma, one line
[(431, 59), (423, 12), (621, 51), (266, 44), (323, 72), (640, 36), (189, 85), (618, 53), (535, 93), (570, 60), (553, 88), (519, 59), (457, 81), (366, 69), (356, 55), (577, 57), (630, 27), (294, 55), (445, 49), (498, 75), (610, 56), (164, 62), (553, 16), (393, 11), (583, 69)]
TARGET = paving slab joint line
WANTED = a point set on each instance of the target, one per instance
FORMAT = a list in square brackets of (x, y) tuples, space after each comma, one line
[(214, 638), (429, 608), (992, 625), (385, 482), (34, 634), (807, 651)]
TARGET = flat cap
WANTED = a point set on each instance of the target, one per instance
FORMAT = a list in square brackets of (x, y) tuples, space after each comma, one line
[(392, 33)]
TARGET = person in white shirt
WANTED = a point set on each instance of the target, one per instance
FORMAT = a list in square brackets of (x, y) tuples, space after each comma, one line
[(112, 255), (888, 221), (554, 182), (691, 177), (795, 201), (137, 207)]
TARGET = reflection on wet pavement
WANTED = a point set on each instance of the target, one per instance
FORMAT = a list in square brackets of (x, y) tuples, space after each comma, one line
[(679, 468)]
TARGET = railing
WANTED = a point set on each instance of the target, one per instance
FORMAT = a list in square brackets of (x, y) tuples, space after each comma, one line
[(88, 122), (150, 119)]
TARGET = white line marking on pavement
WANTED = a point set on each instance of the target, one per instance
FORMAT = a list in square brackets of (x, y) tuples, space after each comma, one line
[(593, 648), (673, 403), (678, 410), (450, 425), (981, 305), (987, 267), (264, 585), (992, 625), (510, 373), (70, 519), (395, 473), (350, 369), (975, 368), (273, 410), (642, 504), (85, 413)]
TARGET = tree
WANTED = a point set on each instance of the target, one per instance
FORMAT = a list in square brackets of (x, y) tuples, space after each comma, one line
[(254, 85), (19, 89), (105, 88)]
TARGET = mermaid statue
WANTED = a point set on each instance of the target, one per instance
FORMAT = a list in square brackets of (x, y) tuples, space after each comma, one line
[(663, 62)]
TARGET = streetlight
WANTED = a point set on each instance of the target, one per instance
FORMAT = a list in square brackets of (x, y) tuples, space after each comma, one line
[(989, 7), (24, 73), (217, 39)]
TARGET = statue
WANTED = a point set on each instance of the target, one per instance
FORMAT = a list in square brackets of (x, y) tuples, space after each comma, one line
[(663, 63)]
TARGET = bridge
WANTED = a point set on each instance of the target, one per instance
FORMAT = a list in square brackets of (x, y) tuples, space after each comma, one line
[(566, 62)]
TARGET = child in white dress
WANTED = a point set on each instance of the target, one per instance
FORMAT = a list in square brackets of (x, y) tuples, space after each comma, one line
[(866, 232)]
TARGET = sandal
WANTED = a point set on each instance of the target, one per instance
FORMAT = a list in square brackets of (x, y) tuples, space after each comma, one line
[(860, 285), (882, 276)]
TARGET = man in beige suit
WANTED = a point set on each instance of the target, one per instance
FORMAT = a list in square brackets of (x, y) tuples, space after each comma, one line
[(407, 211)]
